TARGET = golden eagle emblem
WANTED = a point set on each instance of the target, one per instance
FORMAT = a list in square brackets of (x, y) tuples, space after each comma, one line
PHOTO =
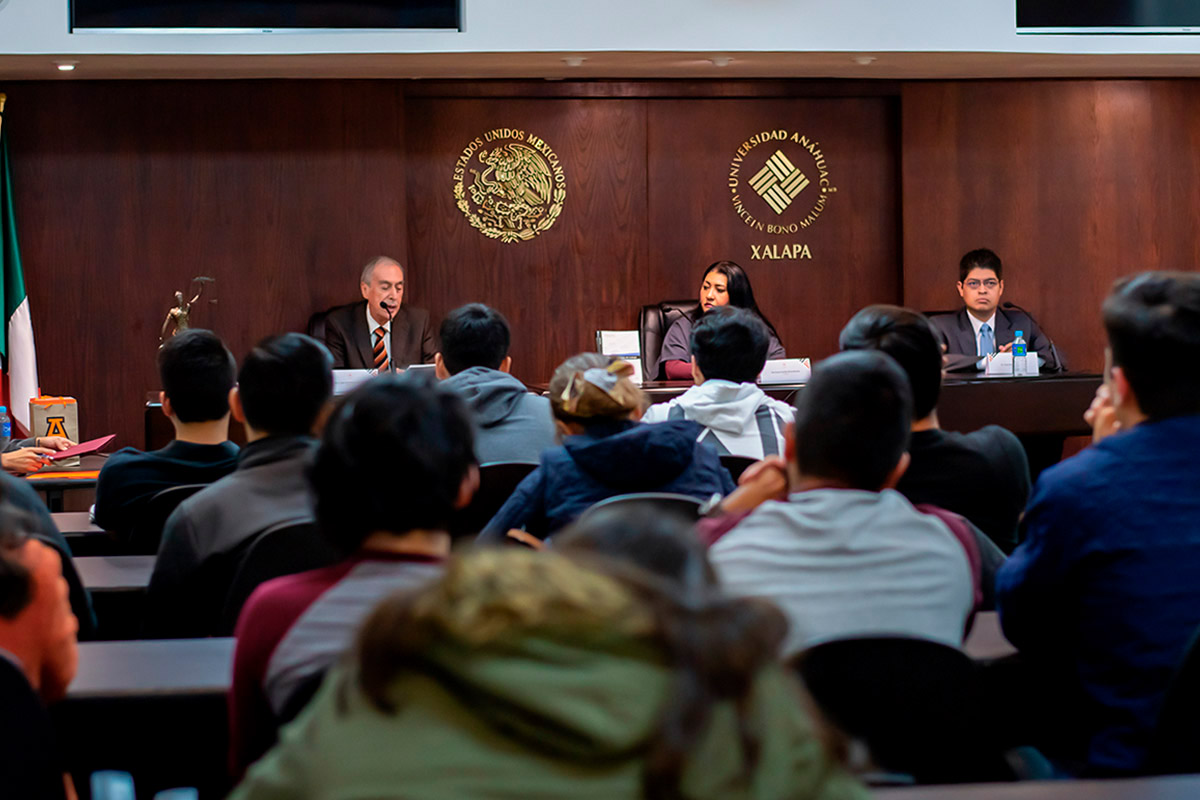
[(516, 188)]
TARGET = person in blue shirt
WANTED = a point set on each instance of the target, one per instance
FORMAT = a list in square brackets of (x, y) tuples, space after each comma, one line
[(1104, 591)]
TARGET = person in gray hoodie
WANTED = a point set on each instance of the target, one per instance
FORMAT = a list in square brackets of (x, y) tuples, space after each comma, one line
[(729, 349), (513, 425)]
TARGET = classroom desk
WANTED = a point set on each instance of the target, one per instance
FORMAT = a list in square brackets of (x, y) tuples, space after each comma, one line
[(115, 573), (75, 523), (55, 487), (986, 642), (153, 708), (118, 588), (1169, 787)]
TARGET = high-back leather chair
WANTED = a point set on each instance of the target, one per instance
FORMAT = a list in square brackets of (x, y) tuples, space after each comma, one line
[(653, 323)]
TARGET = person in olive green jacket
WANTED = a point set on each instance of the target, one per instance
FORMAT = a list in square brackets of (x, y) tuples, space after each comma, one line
[(531, 675)]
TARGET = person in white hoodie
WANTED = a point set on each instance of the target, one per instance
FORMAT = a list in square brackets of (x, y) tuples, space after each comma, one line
[(729, 349)]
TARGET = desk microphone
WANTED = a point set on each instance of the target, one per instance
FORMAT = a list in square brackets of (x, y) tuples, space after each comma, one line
[(1059, 366)]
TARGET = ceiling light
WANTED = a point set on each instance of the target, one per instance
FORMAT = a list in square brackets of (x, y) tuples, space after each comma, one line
[(865, 60), (574, 61), (66, 66), (721, 61)]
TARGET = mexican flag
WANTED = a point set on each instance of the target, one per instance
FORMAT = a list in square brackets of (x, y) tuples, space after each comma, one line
[(17, 355)]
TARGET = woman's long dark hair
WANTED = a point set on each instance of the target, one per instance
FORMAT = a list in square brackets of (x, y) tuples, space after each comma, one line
[(737, 285)]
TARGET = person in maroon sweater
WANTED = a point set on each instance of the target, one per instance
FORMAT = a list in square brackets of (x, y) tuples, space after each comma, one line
[(396, 460)]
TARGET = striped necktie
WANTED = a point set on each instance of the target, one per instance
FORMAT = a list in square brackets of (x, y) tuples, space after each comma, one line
[(381, 358)]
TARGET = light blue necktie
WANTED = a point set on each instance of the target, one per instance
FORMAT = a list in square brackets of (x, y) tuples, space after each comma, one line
[(987, 342)]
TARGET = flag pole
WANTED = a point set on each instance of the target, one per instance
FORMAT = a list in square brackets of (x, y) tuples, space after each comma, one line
[(3, 97)]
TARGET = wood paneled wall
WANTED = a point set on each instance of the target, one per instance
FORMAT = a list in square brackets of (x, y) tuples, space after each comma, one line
[(282, 189), (1073, 183)]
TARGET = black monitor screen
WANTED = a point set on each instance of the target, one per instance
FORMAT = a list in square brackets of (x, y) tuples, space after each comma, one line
[(264, 15), (1130, 16)]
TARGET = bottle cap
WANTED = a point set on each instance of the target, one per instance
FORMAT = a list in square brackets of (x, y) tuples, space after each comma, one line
[(3, 409), (1020, 333)]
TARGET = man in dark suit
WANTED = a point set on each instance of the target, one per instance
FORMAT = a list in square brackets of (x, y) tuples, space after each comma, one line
[(983, 326), (378, 332)]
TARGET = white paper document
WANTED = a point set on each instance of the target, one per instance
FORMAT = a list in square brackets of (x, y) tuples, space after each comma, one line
[(786, 370), (1000, 365), (347, 380), (619, 343)]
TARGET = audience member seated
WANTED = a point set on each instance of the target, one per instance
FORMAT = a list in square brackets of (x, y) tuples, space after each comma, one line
[(512, 425), (1103, 595), (197, 372), (38, 657), (844, 554), (283, 386), (605, 452), (395, 461), (729, 349), (523, 674), (982, 475), (19, 494), (724, 283)]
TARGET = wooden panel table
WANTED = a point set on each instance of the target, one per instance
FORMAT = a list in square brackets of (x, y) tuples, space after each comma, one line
[(153, 708), (1171, 787), (118, 587), (115, 573)]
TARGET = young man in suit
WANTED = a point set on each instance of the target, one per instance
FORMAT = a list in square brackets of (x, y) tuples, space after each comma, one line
[(379, 332), (982, 326)]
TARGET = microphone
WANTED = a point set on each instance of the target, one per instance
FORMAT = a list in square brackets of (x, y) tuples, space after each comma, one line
[(1059, 366)]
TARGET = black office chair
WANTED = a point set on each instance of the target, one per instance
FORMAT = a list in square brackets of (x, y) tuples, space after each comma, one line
[(1175, 746), (283, 549), (917, 705), (316, 325), (496, 484), (653, 323), (736, 465), (146, 533), (668, 502)]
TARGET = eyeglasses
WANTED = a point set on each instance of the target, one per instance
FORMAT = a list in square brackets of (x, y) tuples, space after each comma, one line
[(990, 283)]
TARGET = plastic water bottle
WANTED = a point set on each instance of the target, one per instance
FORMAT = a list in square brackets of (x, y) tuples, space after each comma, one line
[(1019, 351), (5, 427), (111, 785)]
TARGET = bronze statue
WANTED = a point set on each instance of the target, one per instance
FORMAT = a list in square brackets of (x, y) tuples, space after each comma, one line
[(179, 317)]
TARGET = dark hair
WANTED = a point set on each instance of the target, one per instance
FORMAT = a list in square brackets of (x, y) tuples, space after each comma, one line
[(1153, 324), (730, 344), (853, 419), (909, 338), (714, 645), (663, 543), (284, 383), (737, 286), (980, 259), (393, 456), (16, 582), (197, 372), (474, 335)]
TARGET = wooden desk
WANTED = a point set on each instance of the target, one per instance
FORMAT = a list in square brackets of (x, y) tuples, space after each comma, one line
[(115, 573), (76, 523), (1171, 787), (55, 488), (155, 668), (1036, 405), (153, 708), (986, 642)]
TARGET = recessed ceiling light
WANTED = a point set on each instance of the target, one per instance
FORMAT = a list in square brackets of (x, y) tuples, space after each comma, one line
[(66, 66), (574, 61), (721, 61), (865, 60)]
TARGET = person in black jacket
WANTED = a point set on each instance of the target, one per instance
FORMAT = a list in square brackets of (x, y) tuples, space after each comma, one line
[(379, 332), (38, 659)]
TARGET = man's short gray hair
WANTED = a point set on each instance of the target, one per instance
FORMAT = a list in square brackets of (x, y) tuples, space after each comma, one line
[(369, 269)]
